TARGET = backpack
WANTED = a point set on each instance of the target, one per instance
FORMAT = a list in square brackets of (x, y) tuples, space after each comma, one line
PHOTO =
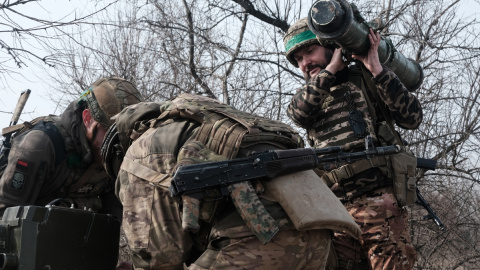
[(223, 129)]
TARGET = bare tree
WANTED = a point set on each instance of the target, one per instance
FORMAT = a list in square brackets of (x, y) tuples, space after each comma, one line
[(27, 38)]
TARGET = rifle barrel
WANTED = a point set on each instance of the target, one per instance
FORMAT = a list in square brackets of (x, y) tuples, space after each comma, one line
[(20, 105)]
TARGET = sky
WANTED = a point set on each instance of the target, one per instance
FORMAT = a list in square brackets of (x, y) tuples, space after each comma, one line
[(36, 79)]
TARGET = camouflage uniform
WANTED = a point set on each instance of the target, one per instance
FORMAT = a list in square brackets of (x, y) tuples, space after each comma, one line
[(37, 174), (341, 110), (320, 107), (154, 222), (53, 159)]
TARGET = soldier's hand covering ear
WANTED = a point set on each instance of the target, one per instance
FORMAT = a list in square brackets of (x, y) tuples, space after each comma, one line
[(337, 63), (371, 60)]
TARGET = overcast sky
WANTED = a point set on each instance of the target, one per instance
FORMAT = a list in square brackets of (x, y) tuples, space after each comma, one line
[(34, 77)]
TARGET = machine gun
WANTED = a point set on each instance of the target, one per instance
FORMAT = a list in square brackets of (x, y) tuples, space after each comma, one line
[(192, 180)]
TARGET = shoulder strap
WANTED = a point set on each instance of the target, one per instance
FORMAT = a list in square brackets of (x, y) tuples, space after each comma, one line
[(21, 127), (73, 157), (373, 88), (56, 137)]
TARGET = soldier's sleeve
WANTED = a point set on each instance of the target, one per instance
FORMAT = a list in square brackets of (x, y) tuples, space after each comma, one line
[(151, 218), (404, 107), (29, 161), (194, 152), (307, 102)]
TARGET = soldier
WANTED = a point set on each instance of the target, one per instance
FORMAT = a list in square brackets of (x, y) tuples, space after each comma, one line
[(59, 156), (249, 230), (336, 107)]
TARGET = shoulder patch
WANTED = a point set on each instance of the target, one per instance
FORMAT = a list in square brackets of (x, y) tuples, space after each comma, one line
[(22, 165), (18, 181)]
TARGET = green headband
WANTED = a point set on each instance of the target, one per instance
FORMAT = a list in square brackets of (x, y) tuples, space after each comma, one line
[(304, 36), (94, 107)]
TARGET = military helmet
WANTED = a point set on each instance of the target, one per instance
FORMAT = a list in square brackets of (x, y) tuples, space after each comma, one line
[(298, 36), (108, 96)]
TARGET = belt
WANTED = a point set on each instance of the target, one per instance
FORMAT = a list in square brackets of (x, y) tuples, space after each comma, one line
[(348, 170)]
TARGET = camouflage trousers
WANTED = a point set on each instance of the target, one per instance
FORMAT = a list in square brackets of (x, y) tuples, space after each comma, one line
[(385, 242), (289, 249)]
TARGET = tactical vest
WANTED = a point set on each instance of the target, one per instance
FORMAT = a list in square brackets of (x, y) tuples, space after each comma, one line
[(225, 129), (333, 128)]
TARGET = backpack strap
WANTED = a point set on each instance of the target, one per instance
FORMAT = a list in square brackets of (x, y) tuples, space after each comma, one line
[(21, 127), (56, 138)]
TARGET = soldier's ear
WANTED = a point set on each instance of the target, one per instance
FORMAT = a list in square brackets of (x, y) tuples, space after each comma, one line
[(89, 122)]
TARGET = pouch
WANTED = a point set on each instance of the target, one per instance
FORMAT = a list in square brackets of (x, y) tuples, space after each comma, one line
[(310, 204), (404, 179)]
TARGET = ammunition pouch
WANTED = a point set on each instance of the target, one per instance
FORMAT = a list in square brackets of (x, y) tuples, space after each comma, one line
[(404, 166), (316, 209)]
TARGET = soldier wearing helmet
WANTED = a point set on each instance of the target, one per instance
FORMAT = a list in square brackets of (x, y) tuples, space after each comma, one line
[(338, 106), (59, 156)]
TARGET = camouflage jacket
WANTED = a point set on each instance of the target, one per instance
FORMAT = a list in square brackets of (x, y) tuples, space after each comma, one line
[(152, 219), (321, 107), (53, 160)]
